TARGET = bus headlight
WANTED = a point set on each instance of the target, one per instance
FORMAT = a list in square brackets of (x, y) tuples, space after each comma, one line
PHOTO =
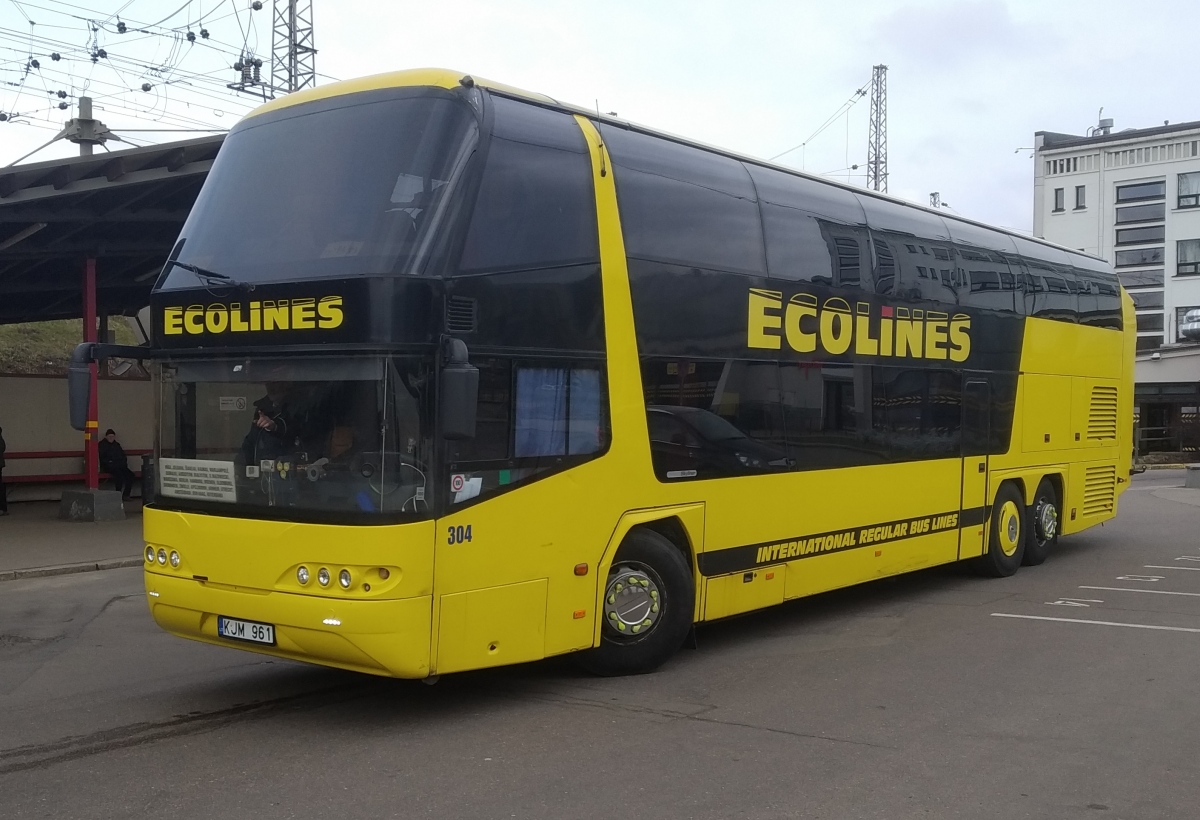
[(149, 555), (162, 556), (344, 578), (302, 575), (174, 559), (323, 577)]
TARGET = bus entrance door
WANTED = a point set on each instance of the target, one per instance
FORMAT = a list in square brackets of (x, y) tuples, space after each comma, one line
[(976, 436)]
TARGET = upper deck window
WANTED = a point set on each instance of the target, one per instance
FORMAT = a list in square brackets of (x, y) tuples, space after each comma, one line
[(350, 186), (536, 207)]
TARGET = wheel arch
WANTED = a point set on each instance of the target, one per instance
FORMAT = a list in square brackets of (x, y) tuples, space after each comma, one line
[(682, 525)]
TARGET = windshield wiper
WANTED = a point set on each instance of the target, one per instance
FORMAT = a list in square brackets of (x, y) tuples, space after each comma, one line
[(210, 277)]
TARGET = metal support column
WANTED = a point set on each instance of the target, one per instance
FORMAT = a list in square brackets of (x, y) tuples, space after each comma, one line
[(91, 463)]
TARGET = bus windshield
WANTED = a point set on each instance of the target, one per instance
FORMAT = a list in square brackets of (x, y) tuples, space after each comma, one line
[(302, 439), (327, 191)]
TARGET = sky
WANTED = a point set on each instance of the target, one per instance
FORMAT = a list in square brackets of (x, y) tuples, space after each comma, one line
[(968, 81)]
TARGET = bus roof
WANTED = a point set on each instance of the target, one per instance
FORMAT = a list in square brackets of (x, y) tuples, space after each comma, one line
[(445, 78)]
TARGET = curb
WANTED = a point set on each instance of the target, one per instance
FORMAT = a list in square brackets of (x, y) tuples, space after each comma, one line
[(69, 569)]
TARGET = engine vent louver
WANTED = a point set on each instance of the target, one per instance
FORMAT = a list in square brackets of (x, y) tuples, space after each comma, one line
[(1102, 416), (461, 313), (1100, 490)]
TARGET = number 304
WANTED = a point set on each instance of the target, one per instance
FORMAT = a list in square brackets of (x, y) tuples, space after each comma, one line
[(458, 535)]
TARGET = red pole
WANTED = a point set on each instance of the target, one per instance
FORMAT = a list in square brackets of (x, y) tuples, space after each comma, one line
[(91, 464)]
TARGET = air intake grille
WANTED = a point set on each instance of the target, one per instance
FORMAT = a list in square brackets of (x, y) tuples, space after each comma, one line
[(1100, 490), (1102, 418), (460, 314)]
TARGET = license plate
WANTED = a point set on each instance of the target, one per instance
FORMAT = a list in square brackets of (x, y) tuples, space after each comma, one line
[(240, 630)]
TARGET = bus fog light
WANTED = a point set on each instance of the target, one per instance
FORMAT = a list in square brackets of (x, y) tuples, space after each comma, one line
[(302, 575), (344, 578), (174, 559), (162, 556), (323, 577), (149, 555)]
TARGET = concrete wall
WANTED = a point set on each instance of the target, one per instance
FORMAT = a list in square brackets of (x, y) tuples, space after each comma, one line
[(33, 413)]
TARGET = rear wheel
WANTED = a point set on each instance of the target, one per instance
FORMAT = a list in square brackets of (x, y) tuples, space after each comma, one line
[(649, 598), (1041, 534), (1006, 534)]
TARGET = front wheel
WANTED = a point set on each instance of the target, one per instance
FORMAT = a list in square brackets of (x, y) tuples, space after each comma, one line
[(1042, 531), (1006, 534), (649, 598)]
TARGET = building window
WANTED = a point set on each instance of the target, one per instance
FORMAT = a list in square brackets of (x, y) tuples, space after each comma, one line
[(1141, 278), (1155, 212), (1181, 314), (1142, 256), (1147, 299), (1148, 343), (1059, 200), (1189, 190), (1141, 191), (1187, 256), (1140, 236), (1150, 322), (1080, 197)]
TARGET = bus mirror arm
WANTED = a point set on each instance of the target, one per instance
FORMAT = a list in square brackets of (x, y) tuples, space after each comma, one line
[(460, 391), (79, 383)]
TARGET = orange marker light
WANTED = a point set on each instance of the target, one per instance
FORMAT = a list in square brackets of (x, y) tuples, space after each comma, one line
[(581, 569), (770, 575), (878, 553), (579, 613)]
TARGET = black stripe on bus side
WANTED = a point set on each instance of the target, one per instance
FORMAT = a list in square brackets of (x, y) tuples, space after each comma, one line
[(750, 556)]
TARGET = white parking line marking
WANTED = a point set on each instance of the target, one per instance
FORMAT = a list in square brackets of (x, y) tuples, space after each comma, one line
[(1151, 591), (1074, 601), (1148, 578), (1098, 623), (1188, 558), (1185, 569)]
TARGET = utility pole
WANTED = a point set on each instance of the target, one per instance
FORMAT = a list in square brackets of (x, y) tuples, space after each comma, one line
[(293, 55), (877, 173)]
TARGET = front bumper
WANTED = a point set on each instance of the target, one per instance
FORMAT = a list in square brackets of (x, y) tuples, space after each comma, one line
[(383, 637)]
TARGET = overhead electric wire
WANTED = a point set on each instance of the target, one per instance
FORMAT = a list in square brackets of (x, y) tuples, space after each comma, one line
[(843, 109)]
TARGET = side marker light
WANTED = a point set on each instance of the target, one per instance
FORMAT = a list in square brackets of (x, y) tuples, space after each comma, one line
[(579, 613), (581, 569)]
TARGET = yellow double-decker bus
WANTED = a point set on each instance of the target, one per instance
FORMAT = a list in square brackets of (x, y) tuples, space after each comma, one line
[(452, 376)]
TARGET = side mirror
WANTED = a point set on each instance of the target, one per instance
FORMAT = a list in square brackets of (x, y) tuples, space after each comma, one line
[(79, 385), (459, 393)]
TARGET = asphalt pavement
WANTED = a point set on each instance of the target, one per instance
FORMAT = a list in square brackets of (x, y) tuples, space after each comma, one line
[(1065, 691)]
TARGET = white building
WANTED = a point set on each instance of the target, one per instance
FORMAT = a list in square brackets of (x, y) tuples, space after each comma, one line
[(1133, 198)]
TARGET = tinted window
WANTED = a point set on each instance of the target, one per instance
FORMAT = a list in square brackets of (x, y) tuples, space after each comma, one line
[(1142, 278), (1142, 213), (902, 238), (684, 205), (1150, 322), (353, 186), (1138, 236), (1145, 190), (1141, 256), (536, 206), (1147, 299), (1050, 285), (1099, 294), (709, 419)]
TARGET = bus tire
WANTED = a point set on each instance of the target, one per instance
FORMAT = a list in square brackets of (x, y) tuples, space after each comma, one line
[(1041, 531), (649, 598), (1006, 534)]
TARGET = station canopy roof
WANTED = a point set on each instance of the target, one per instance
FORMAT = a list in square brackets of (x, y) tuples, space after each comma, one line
[(124, 209)]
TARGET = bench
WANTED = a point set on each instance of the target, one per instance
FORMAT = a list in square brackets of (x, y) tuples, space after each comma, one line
[(48, 478)]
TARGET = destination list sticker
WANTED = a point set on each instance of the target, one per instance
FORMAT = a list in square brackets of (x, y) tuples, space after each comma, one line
[(198, 479)]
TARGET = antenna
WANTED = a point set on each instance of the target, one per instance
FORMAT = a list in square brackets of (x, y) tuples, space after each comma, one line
[(877, 172)]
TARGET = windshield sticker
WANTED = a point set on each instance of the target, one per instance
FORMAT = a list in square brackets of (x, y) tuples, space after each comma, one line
[(231, 404), (198, 479)]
